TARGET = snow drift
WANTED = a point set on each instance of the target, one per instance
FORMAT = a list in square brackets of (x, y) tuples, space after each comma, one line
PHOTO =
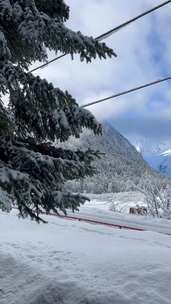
[(77, 263)]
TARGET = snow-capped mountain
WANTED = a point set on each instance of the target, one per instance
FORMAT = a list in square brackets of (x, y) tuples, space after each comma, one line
[(121, 168), (167, 153), (148, 146), (157, 155), (160, 162)]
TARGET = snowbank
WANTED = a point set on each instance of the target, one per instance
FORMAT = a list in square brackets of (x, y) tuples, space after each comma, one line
[(70, 262)]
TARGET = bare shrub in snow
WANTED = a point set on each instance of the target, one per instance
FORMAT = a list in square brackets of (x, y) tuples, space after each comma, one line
[(158, 197)]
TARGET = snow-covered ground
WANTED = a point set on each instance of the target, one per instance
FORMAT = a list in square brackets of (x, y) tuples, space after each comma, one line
[(100, 209), (120, 201), (69, 262)]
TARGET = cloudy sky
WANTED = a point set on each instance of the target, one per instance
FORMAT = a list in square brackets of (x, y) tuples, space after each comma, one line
[(144, 54)]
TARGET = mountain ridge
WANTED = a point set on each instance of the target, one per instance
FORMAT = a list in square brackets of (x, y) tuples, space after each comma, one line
[(120, 169)]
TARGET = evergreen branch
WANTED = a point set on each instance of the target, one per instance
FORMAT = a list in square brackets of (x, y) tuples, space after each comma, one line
[(42, 110), (53, 8), (32, 170), (28, 30)]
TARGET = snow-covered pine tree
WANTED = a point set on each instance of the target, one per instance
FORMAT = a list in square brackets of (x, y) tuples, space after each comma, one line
[(32, 170)]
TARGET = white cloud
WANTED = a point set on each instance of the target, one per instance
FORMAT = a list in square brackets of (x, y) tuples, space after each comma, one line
[(135, 63)]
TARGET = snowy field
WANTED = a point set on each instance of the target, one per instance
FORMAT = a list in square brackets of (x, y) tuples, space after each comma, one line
[(100, 208), (121, 202), (67, 262)]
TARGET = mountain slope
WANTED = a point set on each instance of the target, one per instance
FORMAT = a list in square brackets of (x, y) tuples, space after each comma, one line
[(122, 168)]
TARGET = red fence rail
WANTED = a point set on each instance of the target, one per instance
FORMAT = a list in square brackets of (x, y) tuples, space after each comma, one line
[(97, 222), (91, 221)]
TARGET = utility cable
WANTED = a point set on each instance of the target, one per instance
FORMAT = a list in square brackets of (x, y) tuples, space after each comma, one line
[(108, 33), (127, 91)]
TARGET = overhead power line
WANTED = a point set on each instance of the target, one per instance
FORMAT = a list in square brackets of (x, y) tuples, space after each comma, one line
[(47, 63), (119, 27), (108, 33), (127, 91)]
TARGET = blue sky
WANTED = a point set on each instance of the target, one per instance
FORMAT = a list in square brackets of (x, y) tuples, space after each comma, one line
[(144, 54)]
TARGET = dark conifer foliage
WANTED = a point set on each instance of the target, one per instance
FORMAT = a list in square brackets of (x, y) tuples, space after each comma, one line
[(32, 169)]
